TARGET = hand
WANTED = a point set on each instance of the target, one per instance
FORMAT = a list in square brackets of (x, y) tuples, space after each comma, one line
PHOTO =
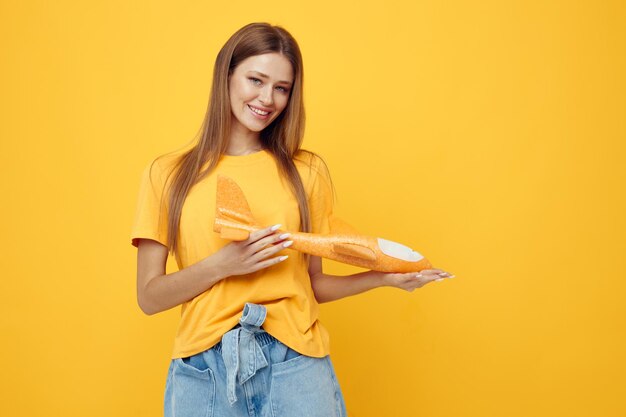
[(252, 254), (412, 280)]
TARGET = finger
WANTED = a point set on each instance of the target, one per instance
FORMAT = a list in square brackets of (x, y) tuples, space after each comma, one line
[(269, 262), (431, 271), (271, 250), (427, 275), (439, 278), (270, 241), (439, 272), (419, 280), (424, 279), (258, 234)]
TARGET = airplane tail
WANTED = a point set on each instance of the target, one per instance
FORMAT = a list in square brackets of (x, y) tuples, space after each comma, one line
[(233, 218)]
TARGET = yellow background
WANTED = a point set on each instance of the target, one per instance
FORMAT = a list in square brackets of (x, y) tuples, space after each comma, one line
[(488, 135)]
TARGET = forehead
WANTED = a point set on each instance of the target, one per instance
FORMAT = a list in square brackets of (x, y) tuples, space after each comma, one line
[(275, 65)]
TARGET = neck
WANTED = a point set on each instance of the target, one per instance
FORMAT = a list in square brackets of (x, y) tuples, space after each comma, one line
[(241, 143), (242, 151)]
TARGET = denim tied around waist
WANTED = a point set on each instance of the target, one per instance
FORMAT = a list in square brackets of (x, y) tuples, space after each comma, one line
[(241, 351)]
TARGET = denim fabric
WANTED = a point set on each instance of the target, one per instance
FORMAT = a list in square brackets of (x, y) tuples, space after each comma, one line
[(251, 373)]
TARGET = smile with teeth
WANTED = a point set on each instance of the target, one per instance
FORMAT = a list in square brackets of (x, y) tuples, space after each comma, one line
[(260, 113)]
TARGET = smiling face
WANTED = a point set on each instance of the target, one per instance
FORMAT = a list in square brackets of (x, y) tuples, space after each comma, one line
[(262, 82)]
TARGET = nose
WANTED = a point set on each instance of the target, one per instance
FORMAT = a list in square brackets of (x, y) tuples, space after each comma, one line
[(266, 97)]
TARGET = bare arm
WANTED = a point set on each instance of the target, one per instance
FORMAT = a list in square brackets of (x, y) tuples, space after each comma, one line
[(332, 287), (157, 291)]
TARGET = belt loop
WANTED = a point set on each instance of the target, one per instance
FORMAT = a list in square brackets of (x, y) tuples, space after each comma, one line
[(241, 352)]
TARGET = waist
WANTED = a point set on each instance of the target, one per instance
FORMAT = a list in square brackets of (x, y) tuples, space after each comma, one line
[(263, 338)]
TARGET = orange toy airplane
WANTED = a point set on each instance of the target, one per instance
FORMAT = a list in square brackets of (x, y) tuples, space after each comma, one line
[(234, 221)]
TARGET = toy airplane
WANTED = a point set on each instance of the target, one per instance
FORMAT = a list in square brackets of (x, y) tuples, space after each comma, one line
[(234, 221)]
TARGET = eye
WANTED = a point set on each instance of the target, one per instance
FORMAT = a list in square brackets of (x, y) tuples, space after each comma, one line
[(254, 80)]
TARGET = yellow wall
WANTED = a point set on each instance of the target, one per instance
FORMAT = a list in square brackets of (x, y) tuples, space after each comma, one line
[(487, 135)]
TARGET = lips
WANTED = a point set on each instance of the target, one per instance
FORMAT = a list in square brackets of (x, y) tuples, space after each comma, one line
[(258, 108), (261, 108)]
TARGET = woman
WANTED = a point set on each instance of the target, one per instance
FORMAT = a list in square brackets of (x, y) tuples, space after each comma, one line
[(249, 341)]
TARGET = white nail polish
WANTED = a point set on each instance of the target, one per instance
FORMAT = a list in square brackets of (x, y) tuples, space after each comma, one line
[(439, 279), (284, 235), (287, 243), (282, 258), (275, 227)]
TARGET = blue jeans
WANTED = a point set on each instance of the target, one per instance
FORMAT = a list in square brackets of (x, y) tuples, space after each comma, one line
[(251, 373)]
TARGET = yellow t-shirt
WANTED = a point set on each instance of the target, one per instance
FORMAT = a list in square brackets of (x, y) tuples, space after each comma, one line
[(284, 288)]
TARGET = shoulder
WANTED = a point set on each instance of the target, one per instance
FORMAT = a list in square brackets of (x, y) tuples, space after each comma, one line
[(314, 173), (158, 170), (311, 162)]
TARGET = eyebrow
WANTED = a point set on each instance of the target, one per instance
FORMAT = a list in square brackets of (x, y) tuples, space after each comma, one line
[(267, 76)]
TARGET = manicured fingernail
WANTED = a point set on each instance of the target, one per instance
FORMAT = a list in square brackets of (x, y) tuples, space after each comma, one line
[(439, 279), (452, 276), (284, 235), (275, 227), (287, 243), (442, 273), (282, 258), (418, 276)]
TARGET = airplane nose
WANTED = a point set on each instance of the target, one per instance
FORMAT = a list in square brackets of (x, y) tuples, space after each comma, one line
[(416, 256), (398, 250)]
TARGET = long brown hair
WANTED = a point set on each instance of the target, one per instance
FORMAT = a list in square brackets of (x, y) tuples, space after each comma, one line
[(282, 138)]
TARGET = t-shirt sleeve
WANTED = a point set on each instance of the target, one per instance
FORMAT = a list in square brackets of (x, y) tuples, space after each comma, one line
[(150, 220), (321, 199)]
